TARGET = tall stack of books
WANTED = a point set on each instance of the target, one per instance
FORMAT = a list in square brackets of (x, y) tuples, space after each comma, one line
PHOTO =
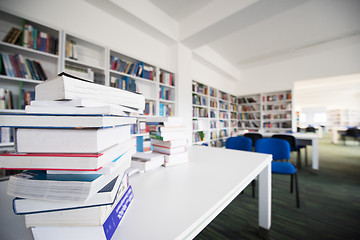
[(168, 138), (75, 150)]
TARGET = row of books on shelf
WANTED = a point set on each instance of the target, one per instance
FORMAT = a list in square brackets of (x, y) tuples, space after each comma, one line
[(198, 136), (31, 37), (277, 116), (233, 108), (7, 99), (224, 96), (15, 65), (167, 79), (249, 116), (233, 115), (134, 69), (277, 124), (75, 163), (199, 88), (248, 109), (199, 100), (150, 108), (223, 133), (124, 83), (248, 124), (224, 115), (87, 73), (223, 124), (200, 112), (165, 93), (223, 105), (71, 50), (246, 100), (165, 109), (277, 107), (213, 103), (277, 97)]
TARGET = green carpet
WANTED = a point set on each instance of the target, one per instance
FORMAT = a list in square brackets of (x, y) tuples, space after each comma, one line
[(330, 202)]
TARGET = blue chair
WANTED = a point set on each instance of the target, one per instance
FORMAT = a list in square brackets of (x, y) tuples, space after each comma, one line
[(280, 150), (294, 147), (242, 144)]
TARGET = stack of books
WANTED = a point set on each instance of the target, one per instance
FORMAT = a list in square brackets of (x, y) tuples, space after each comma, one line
[(168, 138), (74, 153)]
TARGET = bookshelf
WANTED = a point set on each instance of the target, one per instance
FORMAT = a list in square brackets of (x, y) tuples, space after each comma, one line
[(214, 115), (277, 111), (20, 75), (84, 58), (249, 113)]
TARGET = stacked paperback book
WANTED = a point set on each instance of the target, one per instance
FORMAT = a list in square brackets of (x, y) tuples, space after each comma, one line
[(169, 139), (74, 144)]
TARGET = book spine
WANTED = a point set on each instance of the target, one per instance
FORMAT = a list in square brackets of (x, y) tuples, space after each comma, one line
[(112, 222)]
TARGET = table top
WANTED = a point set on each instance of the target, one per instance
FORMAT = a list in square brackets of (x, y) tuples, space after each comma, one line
[(178, 202), (298, 135)]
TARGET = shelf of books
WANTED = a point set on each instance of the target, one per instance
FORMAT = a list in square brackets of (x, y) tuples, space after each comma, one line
[(277, 111), (83, 58), (214, 115), (249, 112), (28, 55)]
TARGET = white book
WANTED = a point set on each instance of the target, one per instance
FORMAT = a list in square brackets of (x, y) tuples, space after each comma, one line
[(62, 120), (176, 162), (176, 157), (106, 110), (61, 187), (105, 196), (172, 143), (56, 140), (169, 120), (65, 86), (94, 216), (64, 161), (147, 161), (167, 150)]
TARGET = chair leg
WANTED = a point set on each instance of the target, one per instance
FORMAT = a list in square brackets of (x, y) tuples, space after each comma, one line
[(291, 183), (306, 157), (297, 191), (253, 184)]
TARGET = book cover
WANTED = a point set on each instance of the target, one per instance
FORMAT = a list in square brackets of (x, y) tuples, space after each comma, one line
[(168, 150), (64, 161), (65, 86), (105, 196), (61, 187), (63, 120)]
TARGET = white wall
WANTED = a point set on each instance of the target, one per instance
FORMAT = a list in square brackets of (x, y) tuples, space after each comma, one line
[(340, 57), (85, 20)]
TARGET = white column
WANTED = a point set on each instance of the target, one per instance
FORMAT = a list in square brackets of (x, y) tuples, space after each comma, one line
[(265, 197)]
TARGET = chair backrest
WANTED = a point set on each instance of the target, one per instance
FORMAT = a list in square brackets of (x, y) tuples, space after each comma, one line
[(289, 138), (239, 143), (253, 137), (354, 132), (310, 129), (279, 148)]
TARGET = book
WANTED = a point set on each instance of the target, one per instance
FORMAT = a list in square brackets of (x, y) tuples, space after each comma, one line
[(176, 159), (146, 161), (162, 120), (168, 150), (166, 129), (37, 184), (33, 120), (57, 140), (167, 136), (65, 86), (63, 161), (105, 196), (104, 232), (94, 216), (172, 143)]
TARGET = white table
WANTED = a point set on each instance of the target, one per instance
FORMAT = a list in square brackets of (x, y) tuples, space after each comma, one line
[(306, 139), (178, 202)]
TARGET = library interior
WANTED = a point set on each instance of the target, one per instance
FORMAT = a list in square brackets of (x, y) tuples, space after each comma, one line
[(155, 119)]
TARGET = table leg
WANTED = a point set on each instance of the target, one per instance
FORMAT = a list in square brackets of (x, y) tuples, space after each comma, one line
[(265, 197), (315, 154)]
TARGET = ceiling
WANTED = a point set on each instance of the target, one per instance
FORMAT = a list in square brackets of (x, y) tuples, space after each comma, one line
[(241, 34)]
